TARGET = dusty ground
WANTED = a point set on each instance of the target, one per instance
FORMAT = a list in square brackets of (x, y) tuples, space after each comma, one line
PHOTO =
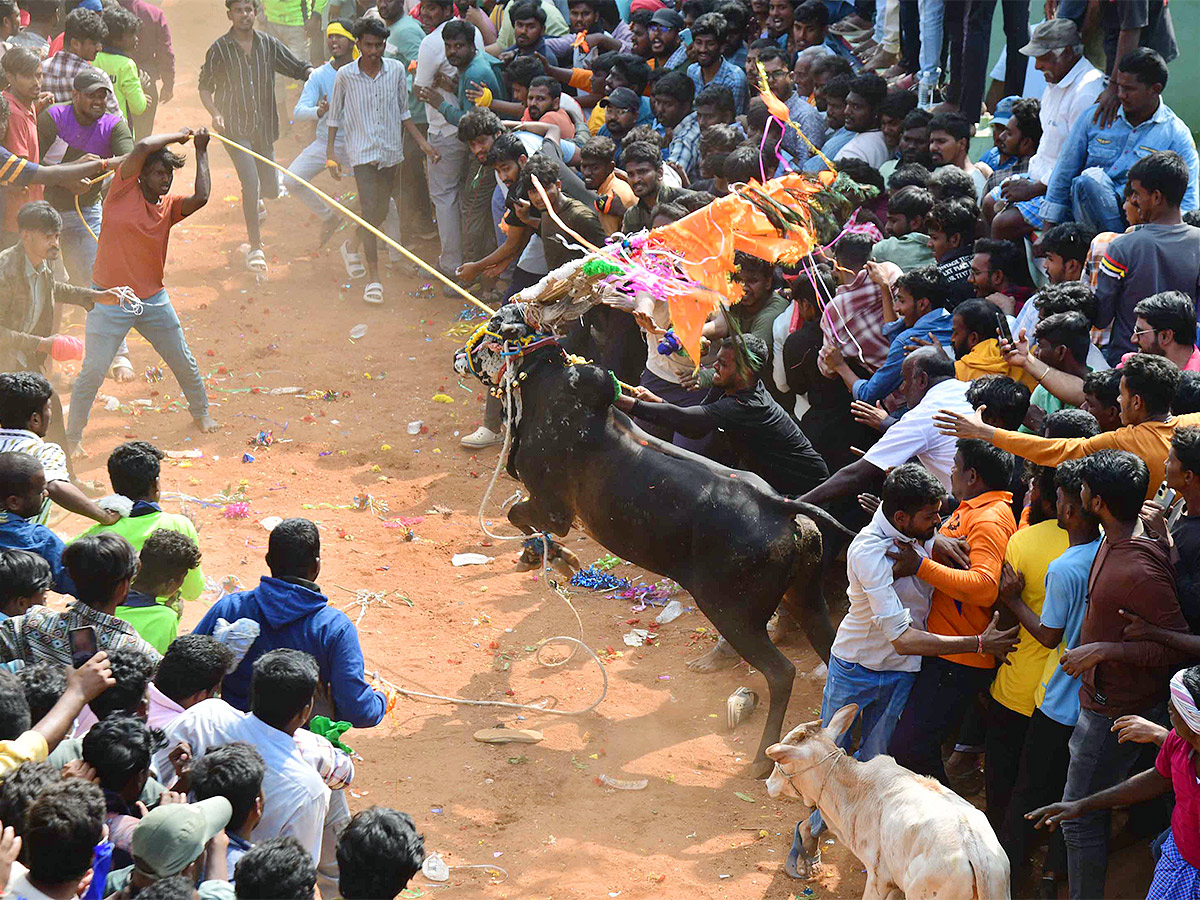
[(537, 811)]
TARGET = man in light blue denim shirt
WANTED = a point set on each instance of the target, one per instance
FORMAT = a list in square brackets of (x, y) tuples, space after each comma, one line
[(1089, 178)]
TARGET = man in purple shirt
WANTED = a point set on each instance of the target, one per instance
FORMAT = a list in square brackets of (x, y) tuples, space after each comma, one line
[(154, 56)]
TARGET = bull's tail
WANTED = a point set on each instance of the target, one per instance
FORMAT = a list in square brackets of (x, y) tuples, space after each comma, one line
[(815, 512), (989, 870)]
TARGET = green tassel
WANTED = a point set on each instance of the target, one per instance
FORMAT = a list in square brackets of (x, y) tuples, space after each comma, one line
[(601, 267)]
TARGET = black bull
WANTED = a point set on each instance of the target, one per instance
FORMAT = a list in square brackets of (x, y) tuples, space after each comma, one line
[(737, 546)]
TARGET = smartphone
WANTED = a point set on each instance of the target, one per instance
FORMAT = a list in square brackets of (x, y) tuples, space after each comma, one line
[(1002, 326), (83, 645)]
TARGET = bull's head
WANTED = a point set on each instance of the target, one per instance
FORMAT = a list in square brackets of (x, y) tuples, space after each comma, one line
[(799, 771), (484, 355)]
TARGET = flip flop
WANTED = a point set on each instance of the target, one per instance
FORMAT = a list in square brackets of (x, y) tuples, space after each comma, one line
[(256, 262), (352, 261), (502, 735), (373, 294), (792, 864)]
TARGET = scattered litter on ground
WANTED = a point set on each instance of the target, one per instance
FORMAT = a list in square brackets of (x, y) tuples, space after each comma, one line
[(358, 331), (638, 637), (672, 611), (470, 559), (622, 785)]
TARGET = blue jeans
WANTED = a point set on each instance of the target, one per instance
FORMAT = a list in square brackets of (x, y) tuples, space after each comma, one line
[(106, 328), (880, 696), (78, 245), (1095, 203), (929, 58), (1097, 762)]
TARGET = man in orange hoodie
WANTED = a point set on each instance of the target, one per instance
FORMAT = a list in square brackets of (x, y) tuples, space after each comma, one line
[(961, 605)]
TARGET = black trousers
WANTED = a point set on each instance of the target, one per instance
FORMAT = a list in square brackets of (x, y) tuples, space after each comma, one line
[(940, 696), (377, 185), (1041, 775), (1003, 745), (975, 50)]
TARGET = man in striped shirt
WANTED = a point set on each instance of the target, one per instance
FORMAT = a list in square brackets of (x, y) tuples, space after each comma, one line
[(369, 106), (237, 83)]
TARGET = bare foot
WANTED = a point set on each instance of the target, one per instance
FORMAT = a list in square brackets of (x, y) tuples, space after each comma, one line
[(719, 657), (121, 370), (75, 450), (208, 424), (782, 628)]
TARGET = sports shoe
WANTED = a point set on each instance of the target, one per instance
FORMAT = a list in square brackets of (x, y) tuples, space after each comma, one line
[(481, 437)]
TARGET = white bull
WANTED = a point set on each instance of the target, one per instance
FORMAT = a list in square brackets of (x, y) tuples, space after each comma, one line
[(916, 838)]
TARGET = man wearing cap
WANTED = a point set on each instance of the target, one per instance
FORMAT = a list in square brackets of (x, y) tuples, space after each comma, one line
[(83, 36), (1088, 181), (1072, 86), (668, 51), (621, 110), (173, 839), (66, 132)]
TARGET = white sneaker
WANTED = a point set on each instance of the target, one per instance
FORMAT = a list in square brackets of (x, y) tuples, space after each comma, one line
[(481, 437)]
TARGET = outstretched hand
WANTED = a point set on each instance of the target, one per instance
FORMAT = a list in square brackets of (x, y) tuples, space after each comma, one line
[(961, 426)]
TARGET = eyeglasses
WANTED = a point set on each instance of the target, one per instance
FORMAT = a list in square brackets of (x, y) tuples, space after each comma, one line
[(1139, 332)]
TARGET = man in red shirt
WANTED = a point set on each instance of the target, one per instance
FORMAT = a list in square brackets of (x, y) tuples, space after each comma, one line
[(25, 100), (136, 225)]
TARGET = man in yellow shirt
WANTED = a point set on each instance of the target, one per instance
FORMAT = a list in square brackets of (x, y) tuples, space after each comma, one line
[(1029, 554)]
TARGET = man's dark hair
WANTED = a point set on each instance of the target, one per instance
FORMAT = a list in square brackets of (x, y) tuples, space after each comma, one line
[(22, 574), (527, 9), (909, 175), (719, 139), (293, 548), (837, 86), (643, 152), (1026, 113), (952, 217), (98, 563), (718, 95), (908, 488), (39, 216), (1070, 329), (993, 465), (22, 62), (282, 684), (646, 134), (912, 202), (1070, 422), (634, 70), (741, 165), (813, 12), (84, 25), (17, 471), (1119, 479), (1070, 240), (926, 283), (369, 25), (599, 147), (1007, 401), (44, 684), (870, 87), (234, 771), (861, 171), (20, 788), (119, 748), (676, 84), (1185, 441), (165, 158), (21, 395), (854, 248), (378, 852), (541, 167), (506, 148), (638, 17), (1164, 171), (121, 22), (1068, 475), (774, 53), (1070, 296), (1105, 386), (1006, 257), (132, 669), (898, 104), (1187, 396), (917, 118), (952, 183), (133, 468), (831, 62), (1170, 310), (459, 30), (193, 663), (550, 84), (14, 708), (64, 825), (478, 122), (978, 316), (1192, 217), (1146, 64), (176, 887), (712, 24), (1153, 378), (276, 869), (523, 69), (954, 124), (166, 555), (736, 16)]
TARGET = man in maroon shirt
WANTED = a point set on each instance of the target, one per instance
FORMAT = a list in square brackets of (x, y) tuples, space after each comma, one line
[(1132, 571), (154, 56)]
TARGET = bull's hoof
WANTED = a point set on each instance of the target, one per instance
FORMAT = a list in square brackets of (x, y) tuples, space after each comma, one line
[(719, 657)]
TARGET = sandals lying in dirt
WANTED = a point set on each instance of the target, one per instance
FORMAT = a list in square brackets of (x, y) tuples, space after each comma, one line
[(373, 294), (502, 735), (121, 370), (256, 262), (352, 261)]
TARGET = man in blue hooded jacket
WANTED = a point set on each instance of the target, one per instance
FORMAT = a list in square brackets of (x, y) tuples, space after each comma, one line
[(293, 613)]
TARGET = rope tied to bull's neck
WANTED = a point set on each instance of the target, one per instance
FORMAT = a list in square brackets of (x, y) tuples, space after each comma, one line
[(837, 752)]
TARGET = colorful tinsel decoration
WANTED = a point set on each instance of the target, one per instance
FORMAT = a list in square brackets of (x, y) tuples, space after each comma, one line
[(263, 439), (237, 510), (595, 579)]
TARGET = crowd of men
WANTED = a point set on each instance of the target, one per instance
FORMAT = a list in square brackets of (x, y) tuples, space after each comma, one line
[(991, 375)]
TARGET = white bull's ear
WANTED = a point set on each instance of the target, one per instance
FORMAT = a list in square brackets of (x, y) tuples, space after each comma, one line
[(842, 720), (783, 752)]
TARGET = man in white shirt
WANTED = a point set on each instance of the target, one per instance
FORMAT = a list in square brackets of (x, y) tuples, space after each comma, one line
[(448, 173), (880, 641), (1072, 86), (867, 93)]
